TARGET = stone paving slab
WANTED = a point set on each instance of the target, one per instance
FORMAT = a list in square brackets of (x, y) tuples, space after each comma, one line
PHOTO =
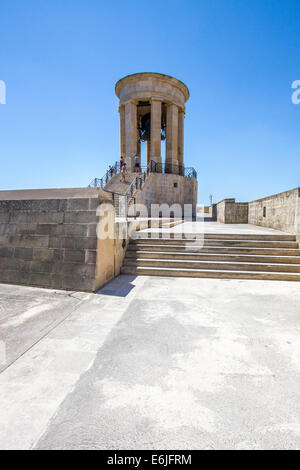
[(29, 314), (215, 227), (157, 363)]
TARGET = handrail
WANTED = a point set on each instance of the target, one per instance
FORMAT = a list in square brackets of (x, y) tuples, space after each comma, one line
[(153, 167), (101, 182), (140, 178), (137, 183), (172, 168)]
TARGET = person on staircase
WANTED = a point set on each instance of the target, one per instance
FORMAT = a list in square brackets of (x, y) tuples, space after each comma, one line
[(137, 164), (111, 171), (122, 169)]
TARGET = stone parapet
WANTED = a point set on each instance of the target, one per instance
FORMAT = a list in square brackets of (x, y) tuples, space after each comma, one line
[(231, 212), (49, 242), (279, 211)]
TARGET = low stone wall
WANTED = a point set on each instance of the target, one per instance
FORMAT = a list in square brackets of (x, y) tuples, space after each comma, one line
[(48, 238), (280, 211), (231, 212), (169, 189)]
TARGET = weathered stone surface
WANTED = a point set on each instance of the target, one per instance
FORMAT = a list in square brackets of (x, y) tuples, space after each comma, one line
[(280, 211), (86, 284), (169, 189), (72, 230), (23, 253), (231, 212), (8, 229), (6, 252), (4, 217), (12, 264), (25, 228), (45, 205), (140, 366), (78, 204), (47, 254), (75, 256), (80, 270), (94, 203), (80, 217), (39, 247), (91, 256), (29, 217), (92, 230), (46, 229), (85, 243), (25, 240), (63, 194), (44, 242)]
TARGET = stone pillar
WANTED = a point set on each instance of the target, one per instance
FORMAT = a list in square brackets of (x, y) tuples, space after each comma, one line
[(122, 131), (155, 131), (148, 152), (172, 139), (131, 133), (180, 140)]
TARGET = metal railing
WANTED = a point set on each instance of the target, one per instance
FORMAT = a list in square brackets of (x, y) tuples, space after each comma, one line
[(171, 168), (137, 184), (102, 182), (153, 167)]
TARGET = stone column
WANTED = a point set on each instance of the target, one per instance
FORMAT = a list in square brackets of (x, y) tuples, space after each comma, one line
[(180, 140), (122, 131), (131, 133), (172, 139), (155, 131)]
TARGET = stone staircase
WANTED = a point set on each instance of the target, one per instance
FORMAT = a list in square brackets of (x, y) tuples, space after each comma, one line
[(228, 256), (119, 188)]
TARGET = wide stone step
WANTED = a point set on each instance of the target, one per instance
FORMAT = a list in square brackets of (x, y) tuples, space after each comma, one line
[(202, 273), (172, 223), (212, 249), (218, 236), (182, 264), (115, 185), (241, 243), (213, 257)]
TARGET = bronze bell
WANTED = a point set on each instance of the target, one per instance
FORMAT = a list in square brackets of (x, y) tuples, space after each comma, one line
[(145, 128)]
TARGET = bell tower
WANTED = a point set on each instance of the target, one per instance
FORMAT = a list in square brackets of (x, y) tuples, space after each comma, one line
[(152, 109)]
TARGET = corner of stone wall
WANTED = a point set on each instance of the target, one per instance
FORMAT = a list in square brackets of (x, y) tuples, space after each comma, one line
[(231, 212), (111, 250)]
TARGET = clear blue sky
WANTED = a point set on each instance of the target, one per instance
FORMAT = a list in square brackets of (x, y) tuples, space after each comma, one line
[(60, 60)]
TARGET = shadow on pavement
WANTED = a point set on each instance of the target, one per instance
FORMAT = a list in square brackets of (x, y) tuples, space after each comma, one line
[(121, 286)]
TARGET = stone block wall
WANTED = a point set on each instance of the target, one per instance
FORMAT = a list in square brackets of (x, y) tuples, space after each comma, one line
[(48, 238), (280, 211), (169, 189), (231, 212), (49, 242)]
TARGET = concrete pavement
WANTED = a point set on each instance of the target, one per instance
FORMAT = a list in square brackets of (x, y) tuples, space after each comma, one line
[(152, 363)]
